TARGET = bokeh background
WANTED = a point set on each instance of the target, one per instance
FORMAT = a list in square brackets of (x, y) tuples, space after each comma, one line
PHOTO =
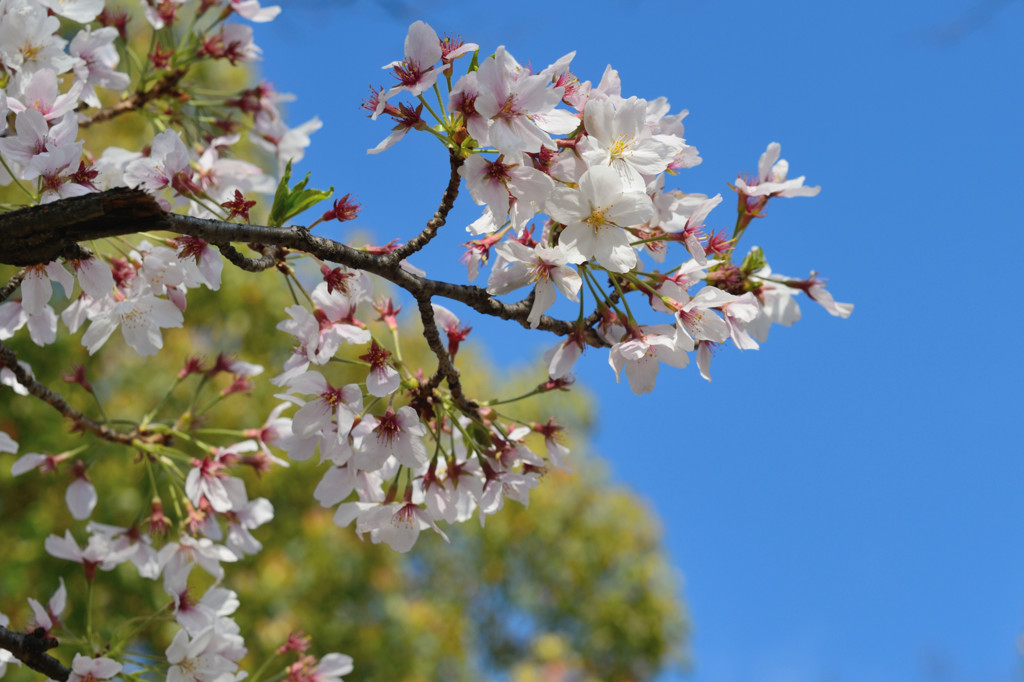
[(845, 503)]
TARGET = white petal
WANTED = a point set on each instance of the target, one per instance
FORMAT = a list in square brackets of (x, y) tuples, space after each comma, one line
[(81, 498)]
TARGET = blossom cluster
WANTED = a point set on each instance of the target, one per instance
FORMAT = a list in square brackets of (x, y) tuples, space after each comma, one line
[(44, 156), (592, 175)]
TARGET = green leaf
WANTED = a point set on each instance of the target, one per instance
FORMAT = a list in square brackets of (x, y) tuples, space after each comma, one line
[(289, 203), (754, 260)]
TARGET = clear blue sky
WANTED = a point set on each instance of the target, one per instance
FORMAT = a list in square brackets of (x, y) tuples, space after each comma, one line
[(846, 503)]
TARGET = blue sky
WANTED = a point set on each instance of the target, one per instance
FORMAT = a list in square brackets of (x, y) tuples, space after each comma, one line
[(845, 503)]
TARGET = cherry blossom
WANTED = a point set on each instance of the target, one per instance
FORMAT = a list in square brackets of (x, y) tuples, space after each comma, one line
[(450, 325), (94, 277), (397, 524), (547, 266), (618, 137), (97, 553), (86, 669), (595, 215), (36, 136), (167, 158), (340, 404), (567, 193), (29, 40), (642, 351), (140, 318), (772, 178), (738, 316), (177, 558), (416, 72), (97, 60), (253, 11), (48, 617), (504, 186), (397, 434), (383, 379), (82, 11), (194, 660), (39, 92), (331, 667), (136, 546), (509, 97)]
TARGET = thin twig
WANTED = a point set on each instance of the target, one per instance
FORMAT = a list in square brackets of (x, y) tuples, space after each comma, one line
[(9, 359), (12, 284), (270, 258), (444, 361), (165, 86)]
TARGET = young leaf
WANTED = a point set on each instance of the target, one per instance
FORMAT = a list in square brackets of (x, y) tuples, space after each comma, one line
[(289, 203)]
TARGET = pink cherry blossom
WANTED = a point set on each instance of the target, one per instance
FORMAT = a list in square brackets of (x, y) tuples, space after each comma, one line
[(397, 524), (417, 71), (697, 322), (137, 546), (509, 97), (506, 187), (168, 157), (452, 328), (177, 558), (97, 553), (30, 40), (94, 277), (383, 379), (392, 434)]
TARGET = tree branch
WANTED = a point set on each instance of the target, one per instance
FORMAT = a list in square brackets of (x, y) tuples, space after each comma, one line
[(9, 359), (30, 648), (445, 367), (270, 258), (39, 234), (165, 86)]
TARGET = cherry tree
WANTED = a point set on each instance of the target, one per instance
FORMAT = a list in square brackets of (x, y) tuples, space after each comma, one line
[(573, 180)]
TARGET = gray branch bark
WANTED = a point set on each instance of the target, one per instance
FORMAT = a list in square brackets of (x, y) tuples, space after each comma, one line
[(40, 234), (30, 648)]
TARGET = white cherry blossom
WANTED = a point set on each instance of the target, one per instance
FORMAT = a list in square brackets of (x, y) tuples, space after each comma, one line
[(772, 179), (596, 214), (548, 267)]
